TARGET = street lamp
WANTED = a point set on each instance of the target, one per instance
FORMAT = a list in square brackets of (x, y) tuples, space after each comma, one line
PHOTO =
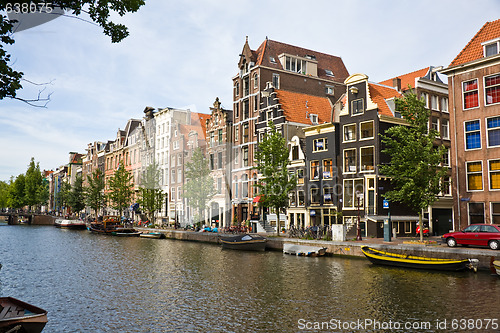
[(359, 196)]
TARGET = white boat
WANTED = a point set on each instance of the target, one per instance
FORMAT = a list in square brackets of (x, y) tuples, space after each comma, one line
[(152, 235), (304, 250), (70, 224)]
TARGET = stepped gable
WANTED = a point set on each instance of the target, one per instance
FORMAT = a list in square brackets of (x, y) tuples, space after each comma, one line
[(298, 107), (474, 50)]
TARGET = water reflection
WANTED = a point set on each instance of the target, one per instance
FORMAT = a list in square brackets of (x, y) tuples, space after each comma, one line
[(93, 283)]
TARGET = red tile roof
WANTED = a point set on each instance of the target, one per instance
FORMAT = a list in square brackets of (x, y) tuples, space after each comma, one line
[(271, 48), (407, 79), (474, 50), (379, 94), (298, 107)]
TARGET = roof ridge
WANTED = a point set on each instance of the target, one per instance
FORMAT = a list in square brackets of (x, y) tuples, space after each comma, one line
[(415, 71), (303, 48)]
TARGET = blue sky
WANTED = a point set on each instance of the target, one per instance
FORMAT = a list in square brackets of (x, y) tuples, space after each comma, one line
[(184, 54)]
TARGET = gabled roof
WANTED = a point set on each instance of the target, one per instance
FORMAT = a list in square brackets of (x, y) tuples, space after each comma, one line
[(298, 107), (198, 125), (379, 94), (270, 48), (407, 79), (474, 50)]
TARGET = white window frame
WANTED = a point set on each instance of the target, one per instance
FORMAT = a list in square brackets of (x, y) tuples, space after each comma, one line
[(474, 172), (490, 129), (361, 130), (343, 132), (434, 102), (445, 135), (315, 149), (425, 97), (463, 94), (444, 104), (489, 175), (359, 112), (435, 126), (277, 78), (361, 160), (491, 42), (484, 87), (355, 161), (465, 135)]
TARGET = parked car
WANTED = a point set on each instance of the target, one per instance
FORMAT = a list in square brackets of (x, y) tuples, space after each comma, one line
[(475, 234)]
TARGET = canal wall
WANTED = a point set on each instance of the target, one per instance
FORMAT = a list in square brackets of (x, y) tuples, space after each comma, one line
[(353, 248)]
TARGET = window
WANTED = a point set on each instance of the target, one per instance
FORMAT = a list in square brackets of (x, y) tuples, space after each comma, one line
[(493, 129), (179, 176), (366, 130), (492, 89), (236, 156), (329, 90), (328, 72), (219, 185), (367, 159), (446, 186), (327, 169), (244, 189), (350, 132), (494, 167), (328, 195), (300, 176), (349, 160), (293, 198), (314, 195), (314, 119), (245, 133), (476, 212), (474, 176), (255, 81), (295, 65), (302, 200), (357, 106), (295, 153), (470, 94), (320, 144), (445, 129), (237, 89), (446, 158), (276, 81), (172, 194), (176, 145), (173, 175), (244, 151), (495, 212), (219, 160), (444, 104), (490, 48), (236, 133), (272, 60), (212, 162), (425, 98), (220, 136), (434, 102), (236, 110), (435, 123), (235, 183), (314, 170), (351, 187), (472, 135)]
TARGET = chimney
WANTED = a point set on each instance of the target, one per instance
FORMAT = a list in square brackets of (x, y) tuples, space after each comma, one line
[(396, 83)]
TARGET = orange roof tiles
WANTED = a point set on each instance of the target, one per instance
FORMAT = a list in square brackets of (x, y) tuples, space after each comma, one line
[(474, 50), (298, 107), (379, 94), (407, 79)]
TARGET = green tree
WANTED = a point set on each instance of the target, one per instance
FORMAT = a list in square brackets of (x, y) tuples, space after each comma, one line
[(272, 161), (16, 197), (415, 159), (62, 197), (34, 186), (99, 12), (76, 197), (199, 188), (94, 192), (4, 194), (121, 189), (151, 197)]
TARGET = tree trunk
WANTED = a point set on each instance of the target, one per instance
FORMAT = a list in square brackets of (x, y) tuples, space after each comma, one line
[(277, 222)]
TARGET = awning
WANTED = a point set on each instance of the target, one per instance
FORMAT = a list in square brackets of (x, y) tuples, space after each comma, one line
[(396, 218), (256, 199)]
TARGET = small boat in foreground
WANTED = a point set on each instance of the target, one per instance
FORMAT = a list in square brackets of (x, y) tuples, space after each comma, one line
[(156, 235), (108, 225), (70, 224), (247, 242), (18, 316), (496, 264), (126, 232), (303, 250), (379, 257)]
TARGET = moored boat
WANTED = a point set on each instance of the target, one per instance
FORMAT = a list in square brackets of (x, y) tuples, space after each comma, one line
[(496, 265), (19, 316), (108, 225), (379, 257), (247, 242), (156, 235), (70, 224), (125, 232), (303, 250)]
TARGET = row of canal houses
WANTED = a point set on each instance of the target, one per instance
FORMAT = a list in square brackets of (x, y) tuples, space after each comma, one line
[(332, 121)]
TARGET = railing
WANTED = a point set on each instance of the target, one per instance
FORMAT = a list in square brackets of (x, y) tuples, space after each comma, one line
[(312, 232)]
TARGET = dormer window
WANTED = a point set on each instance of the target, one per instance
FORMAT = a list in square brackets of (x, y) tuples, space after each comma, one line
[(329, 73), (272, 60), (314, 119), (295, 65), (491, 48)]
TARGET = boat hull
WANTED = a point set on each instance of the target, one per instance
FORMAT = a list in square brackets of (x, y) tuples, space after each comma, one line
[(379, 257), (496, 264), (14, 312), (244, 242), (304, 250), (156, 235), (69, 224)]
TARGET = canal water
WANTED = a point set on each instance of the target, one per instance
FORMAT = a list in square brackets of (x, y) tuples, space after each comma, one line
[(94, 283)]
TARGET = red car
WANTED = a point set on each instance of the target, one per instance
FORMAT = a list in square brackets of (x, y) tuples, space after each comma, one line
[(475, 234)]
